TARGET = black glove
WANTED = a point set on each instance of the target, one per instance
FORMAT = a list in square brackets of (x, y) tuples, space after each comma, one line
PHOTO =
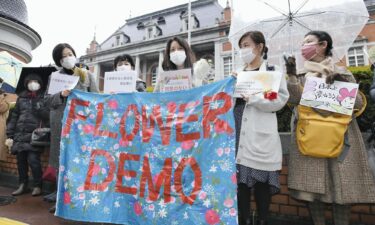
[(331, 78), (290, 64)]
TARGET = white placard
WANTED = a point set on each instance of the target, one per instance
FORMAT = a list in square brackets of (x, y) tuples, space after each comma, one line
[(60, 82), (120, 82), (338, 97), (175, 80), (257, 82)]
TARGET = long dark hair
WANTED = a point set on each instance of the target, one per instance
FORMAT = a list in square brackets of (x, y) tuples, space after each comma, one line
[(323, 36), (258, 38), (190, 59)]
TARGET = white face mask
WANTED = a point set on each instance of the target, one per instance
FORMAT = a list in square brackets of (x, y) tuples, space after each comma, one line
[(33, 86), (124, 68), (69, 62), (178, 57), (247, 55)]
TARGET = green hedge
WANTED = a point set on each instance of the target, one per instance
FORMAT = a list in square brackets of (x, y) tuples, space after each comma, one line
[(363, 76)]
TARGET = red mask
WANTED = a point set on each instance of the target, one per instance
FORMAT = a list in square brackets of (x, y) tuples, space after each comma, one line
[(309, 51)]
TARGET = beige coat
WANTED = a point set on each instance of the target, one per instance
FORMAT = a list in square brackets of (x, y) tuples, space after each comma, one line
[(329, 180), (4, 109)]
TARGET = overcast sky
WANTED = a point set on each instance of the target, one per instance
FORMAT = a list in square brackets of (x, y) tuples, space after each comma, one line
[(74, 21)]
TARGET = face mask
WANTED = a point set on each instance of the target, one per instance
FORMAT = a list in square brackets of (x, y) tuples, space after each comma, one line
[(69, 62), (124, 68), (178, 57), (247, 55), (309, 51), (33, 86)]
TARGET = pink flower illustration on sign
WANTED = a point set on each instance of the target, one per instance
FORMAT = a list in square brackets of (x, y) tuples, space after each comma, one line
[(212, 217), (67, 199), (187, 145), (124, 143), (137, 208), (112, 104), (228, 202), (234, 178), (96, 170), (88, 129), (219, 152)]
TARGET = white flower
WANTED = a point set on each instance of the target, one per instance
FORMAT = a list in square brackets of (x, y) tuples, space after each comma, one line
[(95, 200), (106, 210), (215, 105), (206, 203), (76, 160), (213, 169), (162, 213), (94, 192), (225, 166), (186, 216), (174, 222), (117, 204), (161, 203)]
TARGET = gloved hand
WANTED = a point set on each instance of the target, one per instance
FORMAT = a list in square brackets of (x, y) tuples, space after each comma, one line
[(331, 78), (9, 143), (290, 64)]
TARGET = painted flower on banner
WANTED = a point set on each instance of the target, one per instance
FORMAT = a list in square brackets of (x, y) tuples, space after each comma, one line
[(112, 104), (67, 198), (212, 217), (187, 145), (88, 129), (228, 202), (137, 208)]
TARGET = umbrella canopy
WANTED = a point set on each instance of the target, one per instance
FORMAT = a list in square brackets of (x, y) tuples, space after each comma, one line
[(285, 23), (43, 72), (10, 68)]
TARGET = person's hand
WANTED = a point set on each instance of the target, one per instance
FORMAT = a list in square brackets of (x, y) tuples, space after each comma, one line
[(245, 97), (234, 74), (290, 64), (65, 93), (333, 77)]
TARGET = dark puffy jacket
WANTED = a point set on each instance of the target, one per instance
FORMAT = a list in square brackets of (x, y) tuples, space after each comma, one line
[(29, 113)]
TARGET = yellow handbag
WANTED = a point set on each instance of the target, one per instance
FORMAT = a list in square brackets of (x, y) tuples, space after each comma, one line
[(320, 136)]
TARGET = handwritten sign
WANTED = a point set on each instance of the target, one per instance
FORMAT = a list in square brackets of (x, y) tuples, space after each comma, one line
[(338, 97), (149, 158), (60, 82), (175, 80), (120, 81), (257, 82)]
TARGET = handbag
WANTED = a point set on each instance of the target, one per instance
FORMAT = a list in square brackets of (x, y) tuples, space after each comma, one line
[(49, 174), (41, 136)]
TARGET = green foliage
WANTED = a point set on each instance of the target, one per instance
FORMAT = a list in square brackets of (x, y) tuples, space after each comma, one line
[(363, 75)]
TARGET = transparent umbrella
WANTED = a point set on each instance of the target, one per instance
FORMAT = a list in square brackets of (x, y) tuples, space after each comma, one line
[(10, 68), (284, 24)]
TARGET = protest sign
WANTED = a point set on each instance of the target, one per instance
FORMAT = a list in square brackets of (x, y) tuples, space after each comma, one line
[(60, 82)]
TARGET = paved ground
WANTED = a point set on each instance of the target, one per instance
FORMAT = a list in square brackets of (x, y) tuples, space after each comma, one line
[(34, 211)]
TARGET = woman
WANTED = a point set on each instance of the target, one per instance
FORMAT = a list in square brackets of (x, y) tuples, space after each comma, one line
[(323, 180), (125, 62), (29, 113), (258, 145), (178, 55), (64, 56), (4, 110)]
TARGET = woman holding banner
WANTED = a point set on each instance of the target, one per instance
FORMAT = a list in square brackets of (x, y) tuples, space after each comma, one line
[(125, 62), (178, 55), (342, 180), (258, 145), (64, 56)]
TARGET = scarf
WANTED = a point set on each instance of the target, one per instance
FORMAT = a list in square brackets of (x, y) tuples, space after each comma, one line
[(318, 69)]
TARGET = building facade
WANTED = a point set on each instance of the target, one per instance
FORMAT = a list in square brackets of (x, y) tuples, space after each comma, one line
[(145, 38)]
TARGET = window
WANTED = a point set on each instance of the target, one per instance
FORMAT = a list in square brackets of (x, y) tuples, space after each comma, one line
[(228, 66), (149, 33), (356, 56), (140, 26), (117, 40), (161, 20), (154, 75)]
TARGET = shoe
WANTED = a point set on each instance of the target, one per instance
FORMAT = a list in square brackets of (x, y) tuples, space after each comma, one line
[(36, 191), (52, 209), (22, 189), (50, 197)]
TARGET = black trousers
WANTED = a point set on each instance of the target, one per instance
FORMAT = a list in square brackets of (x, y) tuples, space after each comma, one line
[(32, 159)]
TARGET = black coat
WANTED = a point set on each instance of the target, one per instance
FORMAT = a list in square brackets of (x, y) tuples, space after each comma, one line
[(29, 113)]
